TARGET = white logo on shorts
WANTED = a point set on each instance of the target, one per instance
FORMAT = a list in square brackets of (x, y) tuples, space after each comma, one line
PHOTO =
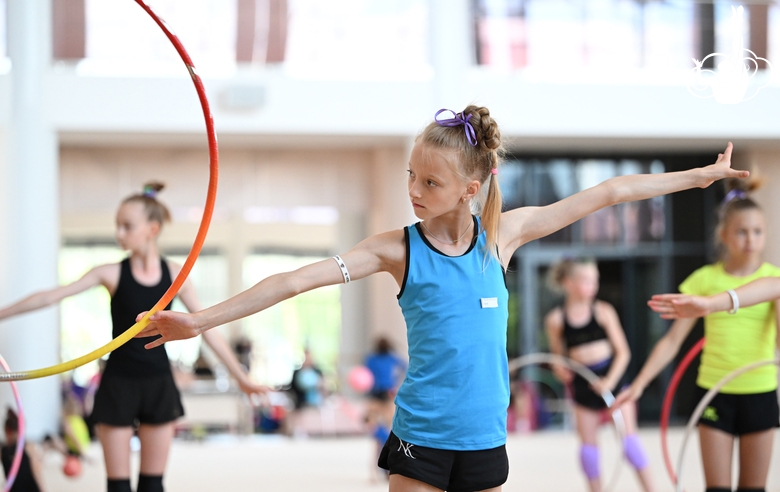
[(407, 449)]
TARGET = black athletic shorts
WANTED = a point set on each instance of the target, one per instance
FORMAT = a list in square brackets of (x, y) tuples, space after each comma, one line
[(740, 414), (128, 401), (582, 392), (453, 471)]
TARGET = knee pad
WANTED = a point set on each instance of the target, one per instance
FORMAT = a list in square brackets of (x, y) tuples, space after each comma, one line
[(634, 452), (150, 483), (118, 485), (589, 459)]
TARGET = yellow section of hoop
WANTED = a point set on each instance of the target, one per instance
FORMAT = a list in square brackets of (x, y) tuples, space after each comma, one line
[(84, 359)]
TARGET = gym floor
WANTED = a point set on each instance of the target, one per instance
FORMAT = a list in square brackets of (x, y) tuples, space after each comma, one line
[(540, 462)]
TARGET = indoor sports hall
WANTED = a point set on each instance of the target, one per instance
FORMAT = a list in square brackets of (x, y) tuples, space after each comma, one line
[(193, 151)]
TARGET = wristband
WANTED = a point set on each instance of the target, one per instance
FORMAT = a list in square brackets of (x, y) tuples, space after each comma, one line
[(734, 302), (343, 267)]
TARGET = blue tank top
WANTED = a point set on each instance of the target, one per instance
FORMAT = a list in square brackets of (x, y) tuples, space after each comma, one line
[(456, 391)]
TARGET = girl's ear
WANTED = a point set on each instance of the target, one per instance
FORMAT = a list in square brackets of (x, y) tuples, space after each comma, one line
[(472, 189), (155, 227)]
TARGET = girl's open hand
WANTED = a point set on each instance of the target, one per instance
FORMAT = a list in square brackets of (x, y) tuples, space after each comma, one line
[(722, 169), (170, 326), (628, 395), (252, 389), (673, 306)]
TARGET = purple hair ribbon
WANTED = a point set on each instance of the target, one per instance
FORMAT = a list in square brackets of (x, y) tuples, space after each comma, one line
[(734, 195), (149, 192), (458, 120)]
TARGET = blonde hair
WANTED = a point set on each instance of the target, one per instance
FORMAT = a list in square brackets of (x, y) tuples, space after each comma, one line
[(476, 162), (155, 210), (737, 199), (562, 270)]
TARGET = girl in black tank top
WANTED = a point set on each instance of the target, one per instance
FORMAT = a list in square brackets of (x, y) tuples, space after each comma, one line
[(129, 299), (589, 331), (137, 387)]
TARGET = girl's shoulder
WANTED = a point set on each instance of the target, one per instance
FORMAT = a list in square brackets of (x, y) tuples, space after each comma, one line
[(554, 317), (701, 277), (173, 267), (108, 273), (768, 270), (603, 308)]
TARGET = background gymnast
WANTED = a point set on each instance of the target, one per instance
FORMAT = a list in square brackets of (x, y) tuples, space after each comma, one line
[(746, 408), (137, 386), (588, 331), (449, 429)]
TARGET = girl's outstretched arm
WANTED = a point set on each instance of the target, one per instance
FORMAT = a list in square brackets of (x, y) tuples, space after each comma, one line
[(106, 275), (525, 224), (674, 306), (663, 353), (381, 253), (216, 341)]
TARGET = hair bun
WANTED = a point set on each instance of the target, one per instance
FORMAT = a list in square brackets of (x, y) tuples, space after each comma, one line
[(488, 134), (152, 188), (745, 185)]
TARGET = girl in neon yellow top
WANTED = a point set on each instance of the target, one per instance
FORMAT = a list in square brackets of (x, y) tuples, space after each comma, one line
[(746, 408), (735, 341)]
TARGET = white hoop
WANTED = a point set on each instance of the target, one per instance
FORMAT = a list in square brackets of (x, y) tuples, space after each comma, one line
[(703, 404), (590, 376)]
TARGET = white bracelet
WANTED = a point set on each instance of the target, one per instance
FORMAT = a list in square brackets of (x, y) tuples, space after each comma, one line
[(343, 267), (734, 302)]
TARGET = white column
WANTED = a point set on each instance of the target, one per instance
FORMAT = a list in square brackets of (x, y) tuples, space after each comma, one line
[(29, 219), (452, 55)]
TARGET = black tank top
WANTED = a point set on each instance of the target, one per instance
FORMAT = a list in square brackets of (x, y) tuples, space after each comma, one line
[(586, 334), (25, 481), (131, 298)]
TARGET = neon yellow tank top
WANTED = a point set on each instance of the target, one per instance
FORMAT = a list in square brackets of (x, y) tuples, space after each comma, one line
[(733, 341)]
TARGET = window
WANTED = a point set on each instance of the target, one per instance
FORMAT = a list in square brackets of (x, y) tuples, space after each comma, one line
[(122, 40), (541, 181), (358, 39), (561, 35), (281, 333), (209, 275)]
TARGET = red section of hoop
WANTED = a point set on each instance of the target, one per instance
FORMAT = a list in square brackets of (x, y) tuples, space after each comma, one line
[(671, 390), (211, 197)]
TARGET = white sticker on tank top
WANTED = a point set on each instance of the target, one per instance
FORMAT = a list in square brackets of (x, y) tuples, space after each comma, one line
[(489, 302)]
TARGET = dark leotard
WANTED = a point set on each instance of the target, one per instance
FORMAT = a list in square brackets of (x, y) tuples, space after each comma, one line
[(131, 298)]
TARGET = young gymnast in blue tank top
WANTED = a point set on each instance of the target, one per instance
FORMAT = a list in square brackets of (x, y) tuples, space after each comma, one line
[(449, 430)]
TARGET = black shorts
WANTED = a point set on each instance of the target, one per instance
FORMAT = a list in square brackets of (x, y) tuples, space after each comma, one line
[(582, 392), (740, 414), (453, 471), (128, 401)]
